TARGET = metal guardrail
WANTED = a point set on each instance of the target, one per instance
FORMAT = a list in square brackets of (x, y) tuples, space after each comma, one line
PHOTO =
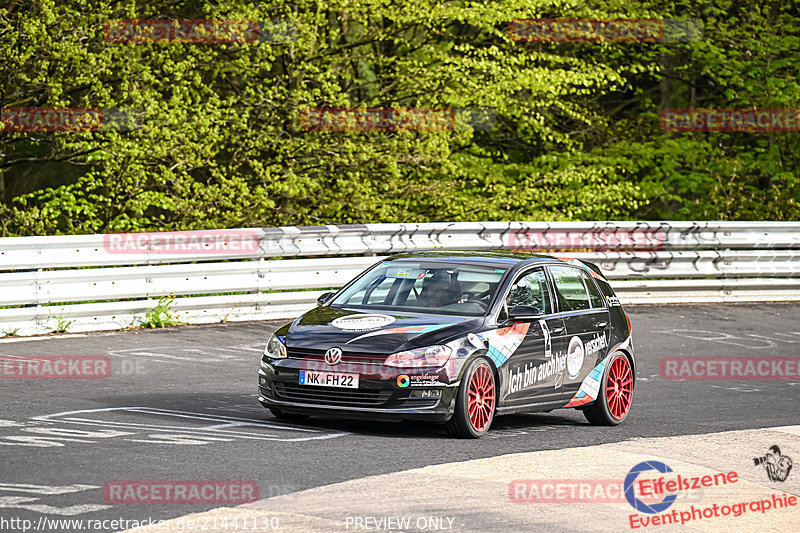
[(109, 281)]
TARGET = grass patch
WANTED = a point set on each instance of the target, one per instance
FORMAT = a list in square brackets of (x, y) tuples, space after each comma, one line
[(161, 315)]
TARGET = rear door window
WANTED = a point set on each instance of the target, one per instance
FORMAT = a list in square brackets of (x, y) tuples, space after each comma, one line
[(571, 290), (595, 297)]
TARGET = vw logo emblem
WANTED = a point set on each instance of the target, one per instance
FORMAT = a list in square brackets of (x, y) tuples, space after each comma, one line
[(333, 356)]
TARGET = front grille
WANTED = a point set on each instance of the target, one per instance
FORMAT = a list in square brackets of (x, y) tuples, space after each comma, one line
[(319, 355), (331, 395), (298, 353)]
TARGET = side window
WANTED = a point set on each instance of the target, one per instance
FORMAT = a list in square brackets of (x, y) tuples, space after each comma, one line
[(570, 289), (530, 289), (379, 293), (594, 293)]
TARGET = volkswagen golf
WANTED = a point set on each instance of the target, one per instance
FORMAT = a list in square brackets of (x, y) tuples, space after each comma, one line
[(457, 338)]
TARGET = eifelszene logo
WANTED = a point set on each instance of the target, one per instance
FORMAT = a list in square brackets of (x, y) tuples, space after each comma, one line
[(630, 494)]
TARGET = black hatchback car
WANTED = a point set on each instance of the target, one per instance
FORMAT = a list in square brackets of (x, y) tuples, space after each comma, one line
[(457, 338)]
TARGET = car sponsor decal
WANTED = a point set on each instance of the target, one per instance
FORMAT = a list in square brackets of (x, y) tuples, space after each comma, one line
[(578, 351), (590, 387), (421, 380), (548, 338), (613, 301), (405, 329), (362, 322), (504, 341), (525, 376), (575, 356), (597, 343)]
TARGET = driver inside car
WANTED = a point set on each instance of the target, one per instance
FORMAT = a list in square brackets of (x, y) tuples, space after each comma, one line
[(441, 289), (522, 294)]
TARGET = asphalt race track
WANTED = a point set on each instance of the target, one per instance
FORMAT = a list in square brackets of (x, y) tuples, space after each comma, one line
[(180, 404)]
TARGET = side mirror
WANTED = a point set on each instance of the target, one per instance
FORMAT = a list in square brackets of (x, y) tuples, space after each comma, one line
[(324, 297), (524, 312)]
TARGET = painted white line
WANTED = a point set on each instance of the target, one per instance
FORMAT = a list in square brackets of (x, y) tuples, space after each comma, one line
[(160, 433), (44, 489), (234, 421), (72, 510), (29, 504)]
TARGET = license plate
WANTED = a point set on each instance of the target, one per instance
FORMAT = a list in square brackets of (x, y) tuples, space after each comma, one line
[(329, 379)]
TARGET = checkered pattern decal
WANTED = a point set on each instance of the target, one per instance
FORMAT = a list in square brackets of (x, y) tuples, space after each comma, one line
[(504, 342), (590, 388)]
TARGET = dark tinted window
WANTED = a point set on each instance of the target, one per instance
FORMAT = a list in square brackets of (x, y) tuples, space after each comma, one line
[(570, 289), (424, 288), (530, 289), (594, 293)]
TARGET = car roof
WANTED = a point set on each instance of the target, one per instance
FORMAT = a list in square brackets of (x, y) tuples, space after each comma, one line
[(487, 258)]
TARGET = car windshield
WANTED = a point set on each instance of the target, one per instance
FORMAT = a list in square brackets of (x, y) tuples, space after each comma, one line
[(440, 288)]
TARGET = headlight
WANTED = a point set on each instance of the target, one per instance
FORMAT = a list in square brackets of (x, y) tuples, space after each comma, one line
[(431, 356), (275, 348)]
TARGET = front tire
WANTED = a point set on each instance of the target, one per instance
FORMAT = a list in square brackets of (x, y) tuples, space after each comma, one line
[(616, 395), (476, 401)]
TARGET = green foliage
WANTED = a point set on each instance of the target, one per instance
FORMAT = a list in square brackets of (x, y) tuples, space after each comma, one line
[(62, 325), (160, 316), (221, 144)]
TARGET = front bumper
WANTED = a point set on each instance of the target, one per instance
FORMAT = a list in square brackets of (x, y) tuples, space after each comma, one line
[(375, 398)]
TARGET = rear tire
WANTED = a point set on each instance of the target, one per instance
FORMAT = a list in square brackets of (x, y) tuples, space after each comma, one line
[(616, 395), (476, 401), (277, 413)]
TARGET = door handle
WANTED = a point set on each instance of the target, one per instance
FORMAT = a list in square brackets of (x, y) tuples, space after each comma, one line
[(601, 325), (558, 330)]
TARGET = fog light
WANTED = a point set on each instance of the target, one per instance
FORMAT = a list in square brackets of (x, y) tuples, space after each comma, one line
[(425, 393)]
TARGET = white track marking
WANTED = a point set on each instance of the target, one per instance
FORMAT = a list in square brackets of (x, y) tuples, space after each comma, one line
[(44, 489), (29, 503), (200, 428)]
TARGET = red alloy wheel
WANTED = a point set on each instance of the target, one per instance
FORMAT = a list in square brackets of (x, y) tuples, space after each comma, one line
[(481, 397), (619, 387)]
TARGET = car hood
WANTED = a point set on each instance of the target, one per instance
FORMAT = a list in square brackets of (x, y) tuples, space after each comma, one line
[(380, 333)]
